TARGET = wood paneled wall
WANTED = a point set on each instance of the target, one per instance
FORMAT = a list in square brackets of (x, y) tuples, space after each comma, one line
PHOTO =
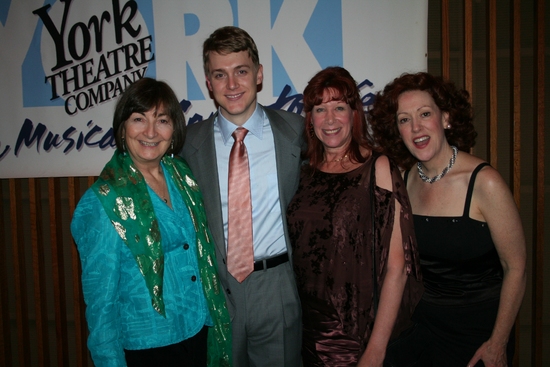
[(41, 308), (524, 43)]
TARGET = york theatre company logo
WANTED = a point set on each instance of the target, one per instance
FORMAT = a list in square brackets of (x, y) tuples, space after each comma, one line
[(83, 55), (91, 57)]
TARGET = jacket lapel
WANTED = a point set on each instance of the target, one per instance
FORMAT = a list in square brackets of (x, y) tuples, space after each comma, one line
[(206, 172), (287, 153)]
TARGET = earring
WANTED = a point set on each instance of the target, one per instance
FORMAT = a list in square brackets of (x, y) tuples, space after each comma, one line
[(123, 146), (448, 126), (172, 149)]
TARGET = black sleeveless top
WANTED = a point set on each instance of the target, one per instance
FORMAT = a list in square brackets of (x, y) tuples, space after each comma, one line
[(460, 265)]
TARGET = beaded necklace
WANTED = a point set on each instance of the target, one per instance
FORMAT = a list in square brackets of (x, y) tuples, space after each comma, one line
[(426, 179)]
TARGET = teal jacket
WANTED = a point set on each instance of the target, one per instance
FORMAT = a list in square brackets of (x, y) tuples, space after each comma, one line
[(119, 312)]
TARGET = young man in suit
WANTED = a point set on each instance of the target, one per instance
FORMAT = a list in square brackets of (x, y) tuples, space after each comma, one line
[(264, 305)]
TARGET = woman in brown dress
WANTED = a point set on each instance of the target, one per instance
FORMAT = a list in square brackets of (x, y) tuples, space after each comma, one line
[(342, 285)]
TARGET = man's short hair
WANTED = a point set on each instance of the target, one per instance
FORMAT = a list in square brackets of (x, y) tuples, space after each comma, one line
[(226, 40)]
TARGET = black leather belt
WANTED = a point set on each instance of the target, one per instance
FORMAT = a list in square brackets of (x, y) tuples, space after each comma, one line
[(271, 262)]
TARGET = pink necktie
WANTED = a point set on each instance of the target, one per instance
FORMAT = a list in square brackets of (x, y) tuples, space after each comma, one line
[(240, 253)]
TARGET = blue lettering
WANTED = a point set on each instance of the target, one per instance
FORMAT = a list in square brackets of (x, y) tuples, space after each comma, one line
[(28, 135), (52, 141), (108, 140), (25, 135), (95, 130), (368, 98), (67, 137), (80, 141), (293, 103), (5, 152)]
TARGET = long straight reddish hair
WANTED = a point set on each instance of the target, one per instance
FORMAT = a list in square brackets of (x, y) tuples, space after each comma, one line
[(343, 87)]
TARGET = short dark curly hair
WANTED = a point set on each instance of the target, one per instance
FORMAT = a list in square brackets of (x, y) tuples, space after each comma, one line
[(448, 98)]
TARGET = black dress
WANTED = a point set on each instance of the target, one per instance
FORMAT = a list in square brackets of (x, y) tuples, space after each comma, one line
[(462, 277), (329, 222)]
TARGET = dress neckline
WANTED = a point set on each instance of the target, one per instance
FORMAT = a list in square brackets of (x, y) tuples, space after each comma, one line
[(347, 172), (467, 202), (339, 173)]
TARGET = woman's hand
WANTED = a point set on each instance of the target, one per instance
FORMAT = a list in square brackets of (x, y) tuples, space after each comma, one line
[(372, 358), (492, 355)]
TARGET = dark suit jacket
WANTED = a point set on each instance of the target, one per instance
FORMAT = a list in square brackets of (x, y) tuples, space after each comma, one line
[(200, 153)]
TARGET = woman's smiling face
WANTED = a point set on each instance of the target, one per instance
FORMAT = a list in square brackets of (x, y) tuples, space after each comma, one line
[(148, 135), (421, 124), (333, 122)]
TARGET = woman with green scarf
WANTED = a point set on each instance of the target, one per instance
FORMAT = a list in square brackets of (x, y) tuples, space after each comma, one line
[(149, 273)]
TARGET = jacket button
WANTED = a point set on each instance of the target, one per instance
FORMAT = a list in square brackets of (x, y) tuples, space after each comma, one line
[(186, 246), (193, 278)]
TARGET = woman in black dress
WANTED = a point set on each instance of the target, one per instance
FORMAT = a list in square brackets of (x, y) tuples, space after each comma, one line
[(470, 237)]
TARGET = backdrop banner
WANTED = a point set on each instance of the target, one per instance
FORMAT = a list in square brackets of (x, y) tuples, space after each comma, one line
[(64, 63)]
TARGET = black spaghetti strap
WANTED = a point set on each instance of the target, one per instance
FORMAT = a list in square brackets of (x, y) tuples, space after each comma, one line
[(471, 188), (406, 177)]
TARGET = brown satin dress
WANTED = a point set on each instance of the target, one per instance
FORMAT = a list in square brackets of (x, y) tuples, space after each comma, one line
[(329, 222)]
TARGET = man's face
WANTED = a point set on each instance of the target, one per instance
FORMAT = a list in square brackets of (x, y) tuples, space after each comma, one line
[(233, 80)]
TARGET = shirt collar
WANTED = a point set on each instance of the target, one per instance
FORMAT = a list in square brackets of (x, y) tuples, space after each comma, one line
[(254, 125)]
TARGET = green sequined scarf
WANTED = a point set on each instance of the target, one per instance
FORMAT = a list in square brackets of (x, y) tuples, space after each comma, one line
[(123, 193)]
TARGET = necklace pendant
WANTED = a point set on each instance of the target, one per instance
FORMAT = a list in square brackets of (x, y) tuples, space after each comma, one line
[(338, 159)]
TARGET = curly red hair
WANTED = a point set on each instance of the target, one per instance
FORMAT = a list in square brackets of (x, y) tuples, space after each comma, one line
[(447, 97)]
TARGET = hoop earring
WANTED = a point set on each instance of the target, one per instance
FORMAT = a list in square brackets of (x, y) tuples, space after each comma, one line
[(172, 149)]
